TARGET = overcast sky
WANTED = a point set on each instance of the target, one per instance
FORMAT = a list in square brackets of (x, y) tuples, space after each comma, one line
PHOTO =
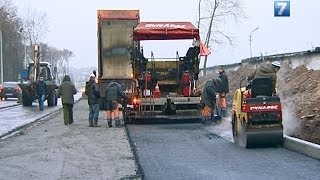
[(73, 24)]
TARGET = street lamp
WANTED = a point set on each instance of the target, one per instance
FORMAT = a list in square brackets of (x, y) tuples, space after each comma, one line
[(251, 40)]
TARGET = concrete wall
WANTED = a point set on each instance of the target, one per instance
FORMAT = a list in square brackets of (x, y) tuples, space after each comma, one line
[(311, 59), (227, 67)]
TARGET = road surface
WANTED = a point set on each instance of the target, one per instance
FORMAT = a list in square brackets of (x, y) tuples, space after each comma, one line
[(51, 150), (167, 151), (194, 151)]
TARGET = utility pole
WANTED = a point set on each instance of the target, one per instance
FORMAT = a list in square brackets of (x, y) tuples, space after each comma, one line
[(25, 53), (250, 40)]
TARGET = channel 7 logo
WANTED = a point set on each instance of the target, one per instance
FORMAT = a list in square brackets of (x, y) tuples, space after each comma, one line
[(282, 8)]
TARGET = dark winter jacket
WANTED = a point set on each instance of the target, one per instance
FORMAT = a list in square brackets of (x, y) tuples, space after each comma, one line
[(193, 52), (67, 90), (265, 70), (114, 92), (41, 88), (93, 92), (224, 87), (208, 96)]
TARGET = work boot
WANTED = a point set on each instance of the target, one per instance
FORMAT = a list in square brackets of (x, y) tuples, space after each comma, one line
[(90, 122), (205, 121), (117, 122), (95, 124), (66, 122), (109, 123)]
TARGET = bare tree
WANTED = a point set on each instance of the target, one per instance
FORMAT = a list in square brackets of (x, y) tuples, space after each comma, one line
[(59, 59), (34, 29), (29, 30), (11, 41), (35, 26), (66, 55), (212, 17)]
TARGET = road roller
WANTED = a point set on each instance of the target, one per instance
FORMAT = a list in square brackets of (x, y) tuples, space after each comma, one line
[(257, 115)]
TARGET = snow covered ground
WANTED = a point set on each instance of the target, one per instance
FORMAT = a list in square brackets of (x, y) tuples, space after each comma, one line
[(12, 117)]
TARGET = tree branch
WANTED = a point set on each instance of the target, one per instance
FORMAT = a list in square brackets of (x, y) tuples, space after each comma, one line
[(218, 12)]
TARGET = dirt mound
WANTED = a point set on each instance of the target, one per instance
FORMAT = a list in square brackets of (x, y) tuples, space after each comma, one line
[(299, 91), (300, 94)]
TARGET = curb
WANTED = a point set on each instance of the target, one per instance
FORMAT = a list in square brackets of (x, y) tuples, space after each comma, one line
[(4, 107), (13, 131), (43, 118), (301, 146), (134, 149)]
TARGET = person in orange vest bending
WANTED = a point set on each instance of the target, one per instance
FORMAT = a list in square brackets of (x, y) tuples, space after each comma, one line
[(223, 90)]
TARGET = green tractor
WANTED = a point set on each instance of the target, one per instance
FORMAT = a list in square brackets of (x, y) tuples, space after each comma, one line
[(34, 71)]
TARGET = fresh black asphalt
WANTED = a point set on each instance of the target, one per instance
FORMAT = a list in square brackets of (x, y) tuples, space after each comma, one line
[(188, 151)]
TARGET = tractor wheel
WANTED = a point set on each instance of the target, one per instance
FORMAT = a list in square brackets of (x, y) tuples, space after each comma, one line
[(52, 99), (242, 135), (235, 133), (56, 98), (26, 100)]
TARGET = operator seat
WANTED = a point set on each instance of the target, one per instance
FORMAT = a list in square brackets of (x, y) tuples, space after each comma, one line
[(261, 86)]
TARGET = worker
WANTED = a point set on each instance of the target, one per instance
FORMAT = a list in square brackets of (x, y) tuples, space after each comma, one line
[(114, 93), (191, 56), (41, 92), (66, 90), (193, 51), (208, 98), (93, 93), (267, 70), (223, 90)]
